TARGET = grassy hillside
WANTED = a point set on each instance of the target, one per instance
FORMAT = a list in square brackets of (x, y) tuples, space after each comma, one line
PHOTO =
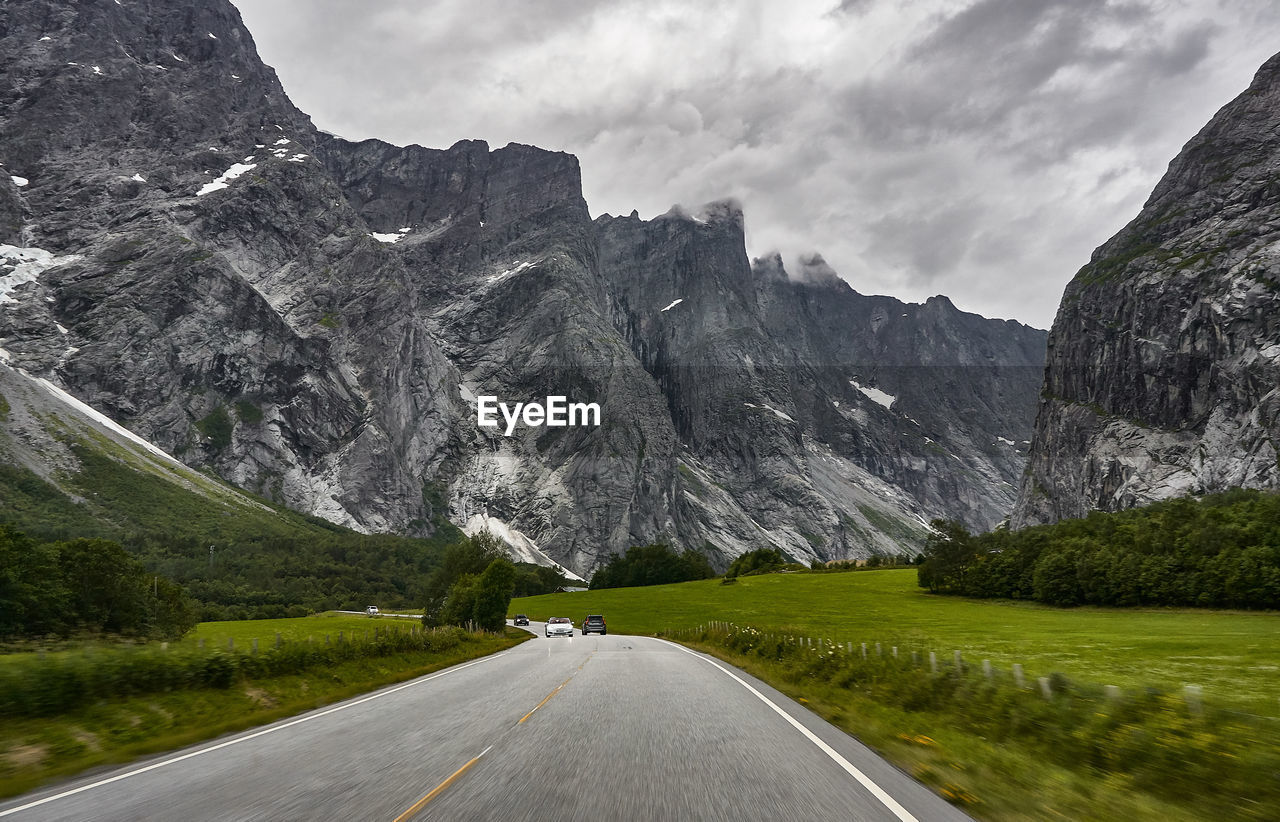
[(65, 472), (1232, 655)]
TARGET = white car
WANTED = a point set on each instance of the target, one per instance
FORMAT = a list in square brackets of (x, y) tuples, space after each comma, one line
[(559, 626), (372, 610)]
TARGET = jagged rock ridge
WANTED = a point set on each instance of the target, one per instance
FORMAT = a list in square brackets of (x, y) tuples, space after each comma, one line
[(313, 319), (1163, 375)]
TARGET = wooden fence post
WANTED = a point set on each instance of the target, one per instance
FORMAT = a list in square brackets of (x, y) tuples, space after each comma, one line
[(1017, 675), (1194, 695)]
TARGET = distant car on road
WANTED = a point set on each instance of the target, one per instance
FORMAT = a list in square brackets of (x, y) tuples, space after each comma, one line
[(520, 619), (371, 610), (594, 624), (559, 626)]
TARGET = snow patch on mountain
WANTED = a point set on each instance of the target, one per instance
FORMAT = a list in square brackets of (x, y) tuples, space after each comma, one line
[(25, 265), (875, 394), (522, 548), (224, 180)]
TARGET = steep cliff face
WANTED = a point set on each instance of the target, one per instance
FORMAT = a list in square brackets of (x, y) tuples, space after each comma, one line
[(313, 319), (212, 287), (1164, 359), (835, 424)]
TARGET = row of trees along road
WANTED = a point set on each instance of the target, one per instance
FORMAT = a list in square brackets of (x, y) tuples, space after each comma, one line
[(1221, 551)]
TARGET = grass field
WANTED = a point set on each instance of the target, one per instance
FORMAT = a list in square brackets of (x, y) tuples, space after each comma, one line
[(244, 631), (1005, 754), (1233, 656)]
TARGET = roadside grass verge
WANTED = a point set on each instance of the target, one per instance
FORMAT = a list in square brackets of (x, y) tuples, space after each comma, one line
[(117, 728), (1002, 752), (1006, 751)]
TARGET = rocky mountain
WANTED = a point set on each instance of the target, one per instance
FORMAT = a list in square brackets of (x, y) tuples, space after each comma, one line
[(1163, 375), (314, 319)]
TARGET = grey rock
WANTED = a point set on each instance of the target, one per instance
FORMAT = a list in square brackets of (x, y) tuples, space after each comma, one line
[(1164, 359), (313, 318)]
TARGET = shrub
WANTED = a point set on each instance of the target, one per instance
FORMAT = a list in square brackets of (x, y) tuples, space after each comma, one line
[(759, 561), (51, 684), (651, 565)]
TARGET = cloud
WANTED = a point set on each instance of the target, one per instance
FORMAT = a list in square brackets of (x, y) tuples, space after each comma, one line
[(978, 148)]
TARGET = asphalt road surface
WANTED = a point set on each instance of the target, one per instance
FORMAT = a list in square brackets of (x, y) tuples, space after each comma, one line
[(590, 728)]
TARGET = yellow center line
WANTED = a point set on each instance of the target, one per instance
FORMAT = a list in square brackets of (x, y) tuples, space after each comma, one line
[(422, 803), (556, 691), (544, 701)]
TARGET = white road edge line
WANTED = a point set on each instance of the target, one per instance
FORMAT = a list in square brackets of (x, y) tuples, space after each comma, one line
[(876, 791), (240, 739)]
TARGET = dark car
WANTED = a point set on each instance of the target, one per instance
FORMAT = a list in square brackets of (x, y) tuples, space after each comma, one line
[(593, 624), (520, 619)]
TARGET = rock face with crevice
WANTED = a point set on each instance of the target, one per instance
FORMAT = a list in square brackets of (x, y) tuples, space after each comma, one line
[(1163, 375), (313, 319)]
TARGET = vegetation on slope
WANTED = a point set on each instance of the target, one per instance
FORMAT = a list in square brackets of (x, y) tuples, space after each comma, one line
[(83, 585), (237, 557), (651, 565)]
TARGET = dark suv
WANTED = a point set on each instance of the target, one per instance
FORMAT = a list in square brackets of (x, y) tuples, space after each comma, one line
[(520, 619), (593, 623)]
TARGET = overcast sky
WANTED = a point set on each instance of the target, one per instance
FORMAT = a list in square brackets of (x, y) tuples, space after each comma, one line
[(975, 148)]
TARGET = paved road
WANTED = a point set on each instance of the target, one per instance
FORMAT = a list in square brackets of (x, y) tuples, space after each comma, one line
[(589, 728)]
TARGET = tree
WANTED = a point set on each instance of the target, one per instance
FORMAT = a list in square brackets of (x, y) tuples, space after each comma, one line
[(468, 557), (33, 600), (105, 585), (651, 565), (481, 600), (759, 561), (1056, 579), (949, 552), (459, 604), (493, 594)]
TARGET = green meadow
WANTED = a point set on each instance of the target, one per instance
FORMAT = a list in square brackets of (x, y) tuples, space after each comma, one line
[(1000, 751), (1233, 655), (316, 627)]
